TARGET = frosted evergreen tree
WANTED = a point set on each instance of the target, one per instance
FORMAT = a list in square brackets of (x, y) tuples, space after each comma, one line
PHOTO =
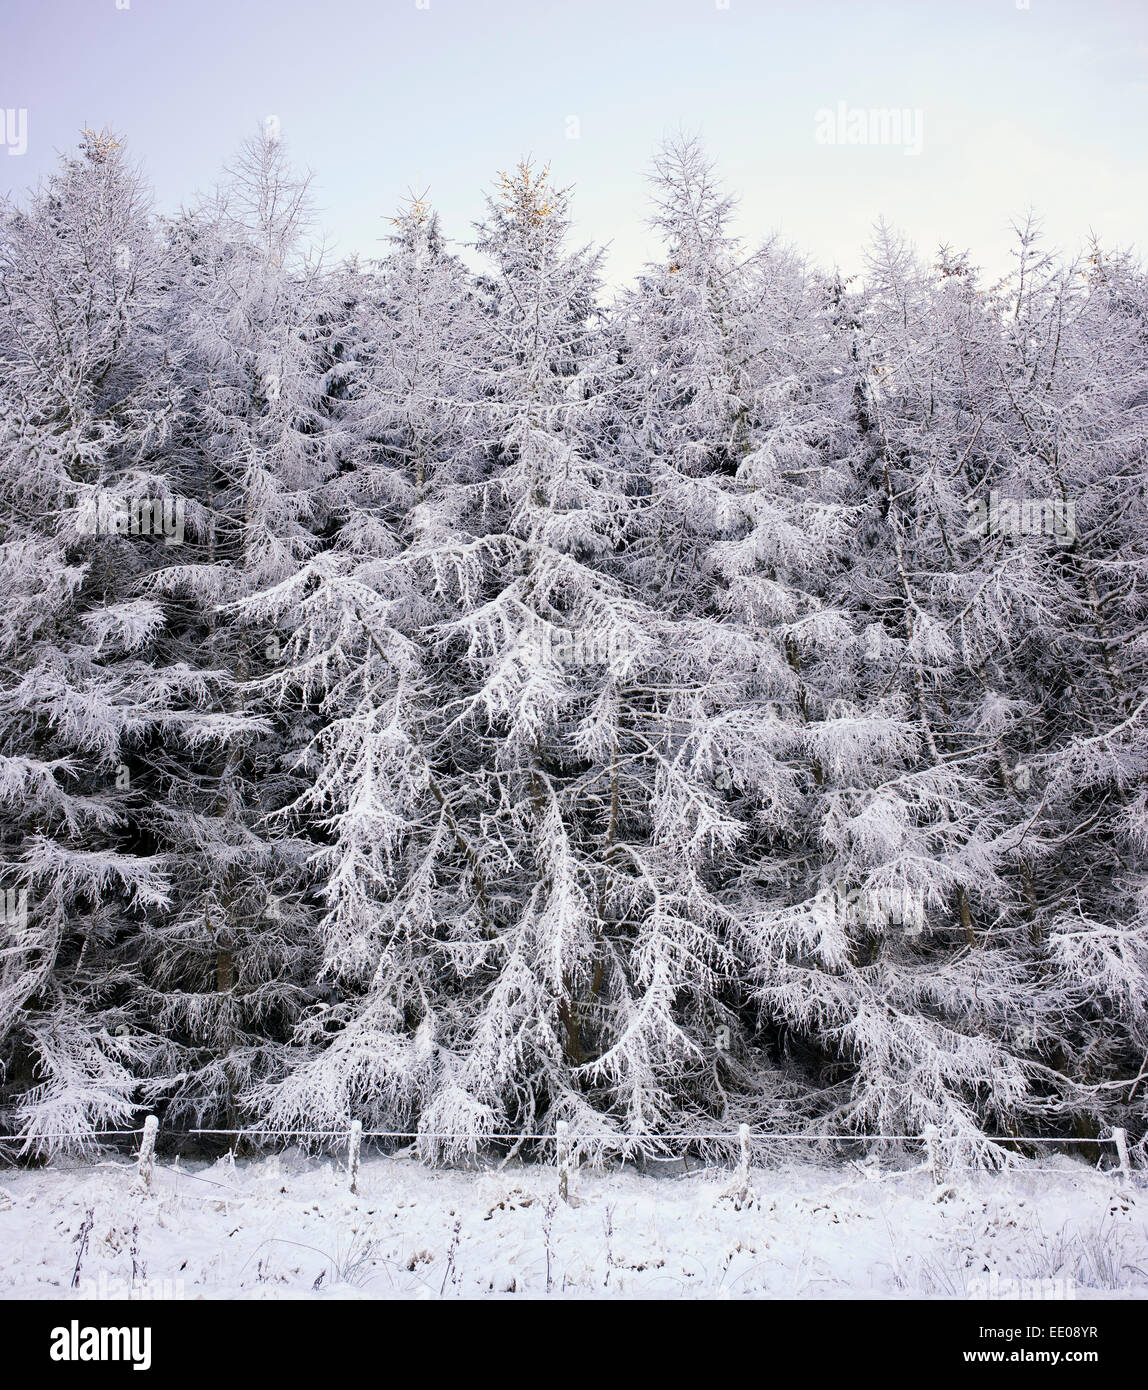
[(954, 994), (88, 403), (1065, 535), (594, 949), (232, 966), (395, 868), (724, 539), (437, 700), (883, 970)]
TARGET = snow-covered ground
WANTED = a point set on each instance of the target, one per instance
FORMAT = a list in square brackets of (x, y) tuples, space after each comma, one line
[(287, 1226)]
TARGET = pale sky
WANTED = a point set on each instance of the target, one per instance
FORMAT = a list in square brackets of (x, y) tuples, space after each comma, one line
[(1045, 105)]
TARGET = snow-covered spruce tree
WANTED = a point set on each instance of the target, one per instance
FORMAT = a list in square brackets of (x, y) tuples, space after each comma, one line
[(88, 404), (589, 964), (868, 962), (460, 918), (968, 1020), (1059, 508), (232, 965), (686, 336), (395, 869), (730, 540)]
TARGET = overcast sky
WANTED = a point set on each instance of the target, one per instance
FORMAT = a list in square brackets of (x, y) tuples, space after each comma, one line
[(1044, 106)]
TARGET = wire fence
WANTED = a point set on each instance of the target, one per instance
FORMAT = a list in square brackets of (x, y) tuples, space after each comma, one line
[(590, 1136), (568, 1145)]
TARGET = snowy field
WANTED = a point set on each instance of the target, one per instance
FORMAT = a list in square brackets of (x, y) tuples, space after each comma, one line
[(287, 1227)]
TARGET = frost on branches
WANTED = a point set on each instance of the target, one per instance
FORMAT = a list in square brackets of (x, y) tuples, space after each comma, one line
[(461, 700)]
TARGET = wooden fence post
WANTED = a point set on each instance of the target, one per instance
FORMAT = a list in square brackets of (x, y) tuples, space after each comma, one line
[(932, 1136), (1120, 1139), (353, 1153), (563, 1156), (743, 1165), (146, 1162), (738, 1190)]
